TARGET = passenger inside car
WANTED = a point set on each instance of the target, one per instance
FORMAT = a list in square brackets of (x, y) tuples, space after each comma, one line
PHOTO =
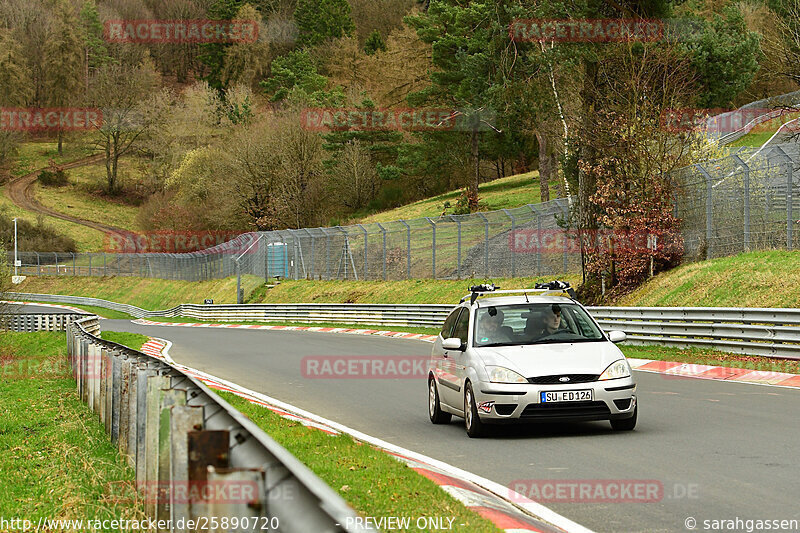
[(543, 322), (491, 328)]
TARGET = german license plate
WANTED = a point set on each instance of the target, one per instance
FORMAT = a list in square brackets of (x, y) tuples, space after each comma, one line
[(567, 396)]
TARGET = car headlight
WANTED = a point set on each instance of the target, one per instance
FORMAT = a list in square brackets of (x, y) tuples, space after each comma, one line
[(499, 374), (616, 370)]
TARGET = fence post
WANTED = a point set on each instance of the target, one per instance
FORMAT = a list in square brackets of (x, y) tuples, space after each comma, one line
[(105, 272), (327, 253), (366, 271), (746, 198), (512, 242), (38, 265), (408, 248), (383, 230), (433, 247), (709, 209), (73, 263), (238, 280), (56, 255), (485, 244), (458, 244), (310, 271)]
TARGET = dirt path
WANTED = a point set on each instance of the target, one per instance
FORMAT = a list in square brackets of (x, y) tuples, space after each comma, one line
[(20, 191)]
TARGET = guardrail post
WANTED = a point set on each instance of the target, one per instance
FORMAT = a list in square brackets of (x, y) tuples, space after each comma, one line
[(170, 398), (108, 361), (116, 394), (144, 373), (206, 448), (155, 392), (183, 419), (408, 248), (126, 374), (246, 480)]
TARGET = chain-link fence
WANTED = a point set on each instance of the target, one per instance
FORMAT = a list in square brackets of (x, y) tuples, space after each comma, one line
[(747, 201), (729, 127)]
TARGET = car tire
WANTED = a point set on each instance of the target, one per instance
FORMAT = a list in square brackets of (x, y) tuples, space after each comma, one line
[(626, 424), (475, 427), (435, 412)]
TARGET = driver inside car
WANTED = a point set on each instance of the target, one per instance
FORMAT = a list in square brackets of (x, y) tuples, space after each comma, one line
[(545, 323)]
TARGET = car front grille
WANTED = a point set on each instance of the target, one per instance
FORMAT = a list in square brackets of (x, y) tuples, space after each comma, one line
[(573, 410), (556, 379)]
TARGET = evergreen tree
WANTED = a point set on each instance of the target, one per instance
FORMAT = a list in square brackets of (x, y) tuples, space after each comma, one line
[(318, 20), (374, 43)]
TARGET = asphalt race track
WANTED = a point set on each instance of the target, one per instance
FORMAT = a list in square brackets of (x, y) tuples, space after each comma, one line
[(720, 450)]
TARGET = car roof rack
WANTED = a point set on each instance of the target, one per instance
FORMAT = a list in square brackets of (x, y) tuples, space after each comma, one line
[(551, 288)]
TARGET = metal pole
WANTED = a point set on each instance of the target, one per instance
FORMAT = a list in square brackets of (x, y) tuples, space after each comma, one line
[(458, 247), (408, 246), (789, 207), (433, 247), (513, 245), (485, 245), (365, 249), (746, 199), (15, 246), (709, 210), (383, 230), (311, 269), (238, 281), (38, 265)]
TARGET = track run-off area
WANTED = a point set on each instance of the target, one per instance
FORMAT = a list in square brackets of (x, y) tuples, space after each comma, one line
[(720, 450)]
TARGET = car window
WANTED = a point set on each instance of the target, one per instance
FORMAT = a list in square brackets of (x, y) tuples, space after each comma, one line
[(462, 326), (540, 323), (447, 328)]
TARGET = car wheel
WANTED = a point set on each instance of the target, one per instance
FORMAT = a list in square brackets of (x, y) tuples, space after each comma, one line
[(434, 408), (626, 424), (475, 428)]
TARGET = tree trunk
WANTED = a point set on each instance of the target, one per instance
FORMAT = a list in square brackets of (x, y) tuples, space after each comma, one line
[(109, 178), (473, 189), (586, 155), (544, 167)]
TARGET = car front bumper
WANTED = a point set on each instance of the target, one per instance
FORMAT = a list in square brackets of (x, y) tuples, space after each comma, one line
[(503, 402)]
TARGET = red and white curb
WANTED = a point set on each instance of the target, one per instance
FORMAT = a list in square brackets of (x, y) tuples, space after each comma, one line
[(717, 373), (484, 497), (318, 329), (670, 368)]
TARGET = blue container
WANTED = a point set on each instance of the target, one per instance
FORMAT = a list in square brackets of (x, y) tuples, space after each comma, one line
[(277, 260)]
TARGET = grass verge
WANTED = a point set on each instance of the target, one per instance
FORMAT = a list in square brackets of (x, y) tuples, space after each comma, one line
[(55, 458), (503, 193), (756, 279), (131, 340), (370, 480)]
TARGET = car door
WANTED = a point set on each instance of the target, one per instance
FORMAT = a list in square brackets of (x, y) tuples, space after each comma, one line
[(451, 378), (437, 352)]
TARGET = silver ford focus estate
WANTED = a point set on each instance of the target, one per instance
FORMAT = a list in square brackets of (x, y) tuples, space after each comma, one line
[(536, 355)]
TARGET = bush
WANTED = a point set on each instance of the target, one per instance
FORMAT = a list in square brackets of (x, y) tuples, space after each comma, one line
[(53, 176), (33, 237)]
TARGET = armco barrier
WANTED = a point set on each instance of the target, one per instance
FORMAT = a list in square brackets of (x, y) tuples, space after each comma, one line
[(754, 331), (44, 322), (196, 457)]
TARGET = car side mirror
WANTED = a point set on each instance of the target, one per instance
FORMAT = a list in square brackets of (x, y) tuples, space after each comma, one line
[(452, 343), (616, 336)]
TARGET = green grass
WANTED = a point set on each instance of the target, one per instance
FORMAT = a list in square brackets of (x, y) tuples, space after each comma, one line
[(34, 155), (131, 340), (370, 480), (83, 197), (86, 239), (147, 293), (756, 279), (762, 132), (414, 291), (55, 459), (503, 193)]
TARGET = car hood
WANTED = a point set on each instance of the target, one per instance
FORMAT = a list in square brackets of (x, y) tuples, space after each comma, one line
[(550, 359)]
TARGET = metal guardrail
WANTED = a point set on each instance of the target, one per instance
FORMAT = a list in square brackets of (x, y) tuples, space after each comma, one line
[(771, 332), (35, 322), (195, 456)]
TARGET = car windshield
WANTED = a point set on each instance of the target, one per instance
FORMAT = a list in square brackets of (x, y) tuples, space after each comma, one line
[(541, 323)]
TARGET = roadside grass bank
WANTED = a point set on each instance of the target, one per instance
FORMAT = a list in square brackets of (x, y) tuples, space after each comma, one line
[(768, 278), (147, 293), (131, 340), (370, 480), (503, 193), (55, 459)]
